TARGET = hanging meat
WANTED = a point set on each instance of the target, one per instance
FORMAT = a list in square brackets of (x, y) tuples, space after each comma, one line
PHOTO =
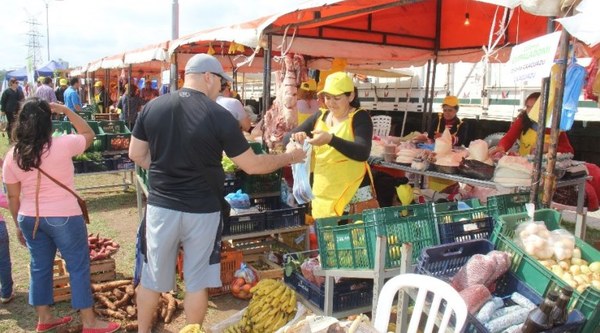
[(283, 115)]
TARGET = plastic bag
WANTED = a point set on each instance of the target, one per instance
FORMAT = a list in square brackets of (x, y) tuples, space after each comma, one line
[(478, 270), (563, 244), (238, 200), (573, 85), (245, 279), (535, 239), (307, 268), (475, 297), (3, 123), (301, 173)]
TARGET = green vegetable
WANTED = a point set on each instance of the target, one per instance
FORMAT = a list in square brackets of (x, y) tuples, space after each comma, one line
[(228, 165)]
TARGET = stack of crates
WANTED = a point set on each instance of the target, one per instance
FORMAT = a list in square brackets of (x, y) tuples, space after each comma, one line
[(118, 135), (538, 277)]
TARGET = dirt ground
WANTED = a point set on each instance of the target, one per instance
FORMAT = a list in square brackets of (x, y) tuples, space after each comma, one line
[(113, 214)]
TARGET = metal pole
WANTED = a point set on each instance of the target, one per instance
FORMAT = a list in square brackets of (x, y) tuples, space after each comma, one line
[(424, 118), (266, 85), (549, 177), (47, 32), (539, 148), (174, 36)]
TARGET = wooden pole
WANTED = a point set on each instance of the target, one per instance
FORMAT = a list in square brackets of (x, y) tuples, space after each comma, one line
[(549, 177), (539, 148)]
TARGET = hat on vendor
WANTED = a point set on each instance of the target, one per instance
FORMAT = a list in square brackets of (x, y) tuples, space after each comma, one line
[(98, 84), (310, 85), (202, 63), (337, 83), (63, 82), (450, 101), (40, 79)]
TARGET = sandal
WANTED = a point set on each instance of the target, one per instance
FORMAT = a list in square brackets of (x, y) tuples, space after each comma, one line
[(45, 327), (112, 327), (6, 300)]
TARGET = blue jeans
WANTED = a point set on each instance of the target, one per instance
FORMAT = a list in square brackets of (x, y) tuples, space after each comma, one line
[(68, 234), (6, 280)]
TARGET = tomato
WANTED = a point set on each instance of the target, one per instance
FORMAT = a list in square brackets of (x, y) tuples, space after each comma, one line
[(239, 282), (235, 289), (246, 287), (242, 294)]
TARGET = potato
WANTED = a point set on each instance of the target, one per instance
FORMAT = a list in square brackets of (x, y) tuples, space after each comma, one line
[(575, 270), (585, 269), (596, 284), (581, 288), (567, 276), (579, 279), (571, 283), (556, 269), (577, 253), (564, 264), (595, 267)]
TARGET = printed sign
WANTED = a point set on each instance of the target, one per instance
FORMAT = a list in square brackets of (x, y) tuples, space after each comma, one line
[(531, 61)]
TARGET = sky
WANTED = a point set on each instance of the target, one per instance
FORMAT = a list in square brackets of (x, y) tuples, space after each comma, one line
[(82, 31)]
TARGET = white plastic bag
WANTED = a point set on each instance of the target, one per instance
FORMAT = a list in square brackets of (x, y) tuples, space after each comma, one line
[(542, 7), (563, 243), (301, 173)]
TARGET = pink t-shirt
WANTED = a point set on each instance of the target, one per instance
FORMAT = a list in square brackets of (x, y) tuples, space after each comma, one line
[(57, 162)]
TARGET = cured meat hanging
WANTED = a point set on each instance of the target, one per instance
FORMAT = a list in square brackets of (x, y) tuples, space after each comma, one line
[(282, 117)]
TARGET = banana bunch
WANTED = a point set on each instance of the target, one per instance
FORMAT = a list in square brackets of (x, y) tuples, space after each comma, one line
[(273, 304)]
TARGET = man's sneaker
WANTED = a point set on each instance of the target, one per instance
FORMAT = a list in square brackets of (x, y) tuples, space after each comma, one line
[(6, 300)]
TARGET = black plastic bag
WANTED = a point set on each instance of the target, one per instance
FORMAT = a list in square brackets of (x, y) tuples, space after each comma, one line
[(476, 170)]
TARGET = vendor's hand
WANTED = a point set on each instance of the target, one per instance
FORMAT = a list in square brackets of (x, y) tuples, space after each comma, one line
[(495, 150), (21, 237), (58, 108), (297, 154), (298, 137), (320, 138)]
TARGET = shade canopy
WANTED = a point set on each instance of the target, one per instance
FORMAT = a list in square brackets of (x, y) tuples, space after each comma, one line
[(402, 32), (19, 74)]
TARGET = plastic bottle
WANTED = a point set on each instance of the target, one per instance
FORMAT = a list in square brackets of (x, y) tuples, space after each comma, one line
[(539, 318), (560, 312)]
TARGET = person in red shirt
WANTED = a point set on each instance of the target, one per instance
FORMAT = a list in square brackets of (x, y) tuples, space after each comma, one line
[(524, 130)]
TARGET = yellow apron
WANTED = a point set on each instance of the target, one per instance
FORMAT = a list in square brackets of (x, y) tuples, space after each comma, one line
[(336, 177), (528, 141)]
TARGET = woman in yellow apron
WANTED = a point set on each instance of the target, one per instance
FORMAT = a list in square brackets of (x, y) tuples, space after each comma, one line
[(341, 136), (524, 130)]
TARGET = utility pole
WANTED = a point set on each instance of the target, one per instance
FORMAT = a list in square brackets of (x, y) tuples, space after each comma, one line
[(47, 32), (174, 35)]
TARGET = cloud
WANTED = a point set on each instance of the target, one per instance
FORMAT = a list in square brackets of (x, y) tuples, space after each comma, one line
[(82, 31)]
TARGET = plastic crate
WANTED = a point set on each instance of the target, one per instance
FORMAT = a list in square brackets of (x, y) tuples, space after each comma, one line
[(285, 217), (118, 136), (230, 262), (99, 143), (512, 203), (463, 225), (87, 115), (64, 127), (344, 298), (114, 127), (443, 207), (343, 243), (232, 183), (244, 223), (539, 277), (258, 184), (444, 261), (418, 228)]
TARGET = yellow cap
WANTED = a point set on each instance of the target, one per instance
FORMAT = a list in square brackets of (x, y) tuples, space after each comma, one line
[(310, 85), (41, 79), (450, 101), (338, 83), (64, 82), (98, 84)]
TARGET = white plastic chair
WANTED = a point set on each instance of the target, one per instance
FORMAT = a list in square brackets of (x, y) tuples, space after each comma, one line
[(382, 125), (425, 284)]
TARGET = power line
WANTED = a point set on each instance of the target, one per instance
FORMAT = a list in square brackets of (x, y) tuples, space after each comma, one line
[(33, 43)]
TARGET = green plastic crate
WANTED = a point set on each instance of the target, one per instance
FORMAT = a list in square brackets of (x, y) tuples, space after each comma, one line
[(64, 127), (536, 275), (114, 127), (512, 203), (99, 143), (443, 207), (344, 243), (87, 115), (403, 224)]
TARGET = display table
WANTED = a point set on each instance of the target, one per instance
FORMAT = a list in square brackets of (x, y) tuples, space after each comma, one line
[(579, 182)]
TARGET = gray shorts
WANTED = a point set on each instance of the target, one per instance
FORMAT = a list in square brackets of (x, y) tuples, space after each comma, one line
[(166, 230)]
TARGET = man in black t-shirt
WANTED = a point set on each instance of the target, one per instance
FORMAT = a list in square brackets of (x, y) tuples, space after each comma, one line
[(180, 138)]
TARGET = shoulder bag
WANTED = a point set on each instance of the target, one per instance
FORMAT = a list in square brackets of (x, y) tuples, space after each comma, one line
[(80, 201), (359, 207)]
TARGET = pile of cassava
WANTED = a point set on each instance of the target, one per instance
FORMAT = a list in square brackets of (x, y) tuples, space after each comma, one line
[(116, 300)]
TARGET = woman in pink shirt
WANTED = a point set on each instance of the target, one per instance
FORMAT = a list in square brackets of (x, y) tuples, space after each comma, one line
[(60, 225)]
